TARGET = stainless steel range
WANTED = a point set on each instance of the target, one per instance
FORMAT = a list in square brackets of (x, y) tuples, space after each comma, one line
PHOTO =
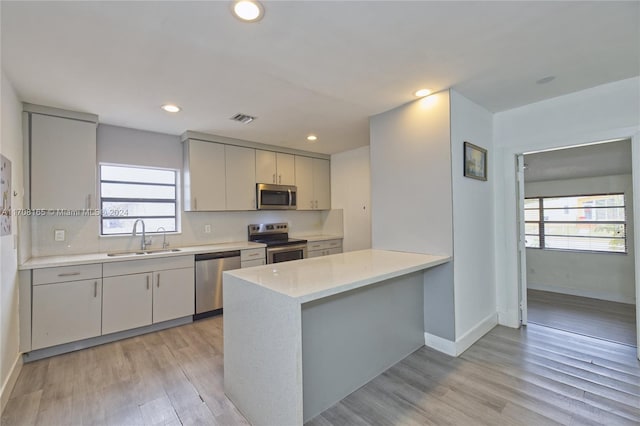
[(280, 248)]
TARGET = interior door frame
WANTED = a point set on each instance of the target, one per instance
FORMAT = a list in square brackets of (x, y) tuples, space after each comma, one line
[(522, 251), (635, 173)]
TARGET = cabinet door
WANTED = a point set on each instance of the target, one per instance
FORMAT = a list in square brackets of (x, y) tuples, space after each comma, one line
[(63, 163), (65, 312), (241, 177), (126, 302), (265, 167), (205, 184), (286, 169), (173, 294), (304, 182), (322, 184)]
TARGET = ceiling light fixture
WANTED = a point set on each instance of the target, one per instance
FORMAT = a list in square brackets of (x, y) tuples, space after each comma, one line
[(312, 138), (248, 10), (171, 108), (422, 93)]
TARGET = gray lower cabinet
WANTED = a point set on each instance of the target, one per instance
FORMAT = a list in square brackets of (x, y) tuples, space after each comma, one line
[(144, 292), (64, 312)]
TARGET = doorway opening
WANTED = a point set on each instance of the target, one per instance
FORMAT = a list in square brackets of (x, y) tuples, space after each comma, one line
[(577, 249)]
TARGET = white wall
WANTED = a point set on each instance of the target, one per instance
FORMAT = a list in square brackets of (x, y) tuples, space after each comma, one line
[(411, 177), (473, 233), (351, 191), (604, 276), (10, 147), (610, 111), (129, 146)]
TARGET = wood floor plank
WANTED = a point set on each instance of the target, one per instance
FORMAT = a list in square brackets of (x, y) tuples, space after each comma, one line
[(531, 376), (592, 317)]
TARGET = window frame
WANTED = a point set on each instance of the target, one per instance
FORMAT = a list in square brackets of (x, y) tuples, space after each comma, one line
[(175, 200), (541, 222)]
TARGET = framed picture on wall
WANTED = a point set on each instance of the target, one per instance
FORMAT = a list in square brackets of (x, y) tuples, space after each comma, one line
[(475, 161)]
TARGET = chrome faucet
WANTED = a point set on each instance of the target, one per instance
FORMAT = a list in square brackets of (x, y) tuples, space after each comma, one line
[(143, 241), (165, 244)]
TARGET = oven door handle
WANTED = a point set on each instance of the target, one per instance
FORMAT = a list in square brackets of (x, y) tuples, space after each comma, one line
[(290, 198), (302, 247)]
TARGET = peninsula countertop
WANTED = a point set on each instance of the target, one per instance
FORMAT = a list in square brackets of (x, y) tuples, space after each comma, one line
[(311, 279)]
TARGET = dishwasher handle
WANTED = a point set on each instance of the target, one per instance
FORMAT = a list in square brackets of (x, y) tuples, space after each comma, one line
[(218, 255)]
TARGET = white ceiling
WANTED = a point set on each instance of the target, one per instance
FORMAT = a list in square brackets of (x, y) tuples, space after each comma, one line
[(604, 159), (317, 67)]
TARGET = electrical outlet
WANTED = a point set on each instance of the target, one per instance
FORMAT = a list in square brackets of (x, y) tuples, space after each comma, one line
[(58, 234), (207, 229)]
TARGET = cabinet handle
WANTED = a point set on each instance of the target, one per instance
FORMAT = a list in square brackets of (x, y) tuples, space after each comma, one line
[(158, 282), (274, 178), (280, 179), (95, 289), (195, 203), (316, 204), (69, 274), (88, 201), (147, 282), (254, 254), (311, 202)]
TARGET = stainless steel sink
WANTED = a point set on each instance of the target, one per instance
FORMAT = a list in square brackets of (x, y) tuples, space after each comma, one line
[(139, 252), (125, 253), (162, 251)]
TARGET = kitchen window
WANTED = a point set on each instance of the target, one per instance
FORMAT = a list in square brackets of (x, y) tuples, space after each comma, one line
[(594, 223), (128, 193)]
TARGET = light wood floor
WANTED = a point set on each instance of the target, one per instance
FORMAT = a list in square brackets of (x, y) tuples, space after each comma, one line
[(611, 321), (533, 376)]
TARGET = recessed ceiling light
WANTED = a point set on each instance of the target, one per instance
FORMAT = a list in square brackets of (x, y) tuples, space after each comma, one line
[(546, 79), (171, 108), (248, 10), (312, 138), (422, 93)]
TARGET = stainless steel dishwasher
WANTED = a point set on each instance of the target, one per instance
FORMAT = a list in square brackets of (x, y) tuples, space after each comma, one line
[(209, 269)]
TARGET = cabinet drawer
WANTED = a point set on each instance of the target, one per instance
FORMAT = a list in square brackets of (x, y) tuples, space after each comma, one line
[(250, 263), (323, 245), (113, 269), (252, 254), (67, 273)]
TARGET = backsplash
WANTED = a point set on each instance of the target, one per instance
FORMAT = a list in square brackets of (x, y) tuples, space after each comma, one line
[(82, 233)]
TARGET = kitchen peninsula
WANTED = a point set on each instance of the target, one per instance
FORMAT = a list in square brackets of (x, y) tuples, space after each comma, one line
[(299, 336)]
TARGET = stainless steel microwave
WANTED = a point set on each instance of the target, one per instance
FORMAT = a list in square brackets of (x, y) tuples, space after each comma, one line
[(275, 197)]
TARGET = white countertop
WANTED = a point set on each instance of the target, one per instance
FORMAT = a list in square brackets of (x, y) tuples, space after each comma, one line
[(310, 279), (83, 259)]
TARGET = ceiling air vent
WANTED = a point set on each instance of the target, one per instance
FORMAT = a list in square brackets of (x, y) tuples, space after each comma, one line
[(243, 118)]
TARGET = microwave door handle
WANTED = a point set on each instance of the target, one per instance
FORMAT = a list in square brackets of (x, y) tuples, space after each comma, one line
[(290, 198)]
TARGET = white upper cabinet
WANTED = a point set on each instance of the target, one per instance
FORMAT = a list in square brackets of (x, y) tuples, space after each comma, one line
[(304, 182), (204, 176), (322, 184), (275, 167), (286, 168), (63, 163), (240, 177), (313, 179)]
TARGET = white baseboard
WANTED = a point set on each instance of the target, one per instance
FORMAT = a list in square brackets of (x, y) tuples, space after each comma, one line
[(439, 344), (465, 341), (8, 384), (593, 294), (473, 335)]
